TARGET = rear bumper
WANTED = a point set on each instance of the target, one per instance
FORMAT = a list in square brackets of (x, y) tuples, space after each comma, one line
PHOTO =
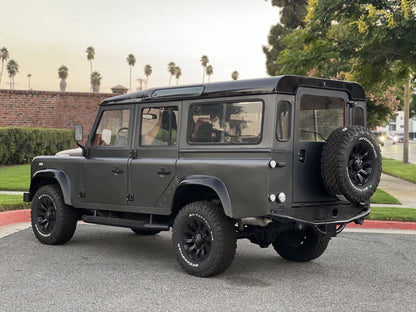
[(322, 214)]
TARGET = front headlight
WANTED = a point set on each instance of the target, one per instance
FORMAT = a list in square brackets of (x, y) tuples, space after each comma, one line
[(382, 138)]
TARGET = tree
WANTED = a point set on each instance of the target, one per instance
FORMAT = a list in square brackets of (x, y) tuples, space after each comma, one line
[(63, 74), (4, 57), (204, 63), (234, 75), (147, 71), (96, 81), (131, 60), (12, 69), (292, 16), (178, 74), (372, 43), (90, 55), (172, 70), (209, 72)]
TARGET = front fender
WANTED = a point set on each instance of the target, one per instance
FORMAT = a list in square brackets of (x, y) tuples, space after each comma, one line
[(57, 175), (216, 185)]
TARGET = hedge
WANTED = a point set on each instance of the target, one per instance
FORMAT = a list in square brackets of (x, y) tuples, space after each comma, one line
[(21, 145)]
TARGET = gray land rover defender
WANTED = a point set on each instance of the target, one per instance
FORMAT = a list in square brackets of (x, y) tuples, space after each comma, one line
[(284, 160)]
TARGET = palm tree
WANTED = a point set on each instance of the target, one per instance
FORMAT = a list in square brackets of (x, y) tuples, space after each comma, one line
[(131, 60), (235, 75), (209, 71), (4, 57), (63, 74), (95, 81), (90, 55), (178, 74), (147, 72), (12, 69), (172, 70), (204, 63)]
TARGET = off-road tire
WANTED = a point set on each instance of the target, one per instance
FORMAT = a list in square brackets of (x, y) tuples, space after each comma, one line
[(145, 232), (301, 246), (204, 239), (53, 222), (351, 164)]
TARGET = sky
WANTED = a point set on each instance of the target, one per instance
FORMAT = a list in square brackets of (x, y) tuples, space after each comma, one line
[(42, 35)]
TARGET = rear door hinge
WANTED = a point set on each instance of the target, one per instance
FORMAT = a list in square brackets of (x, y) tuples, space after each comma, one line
[(81, 194), (133, 153), (130, 197)]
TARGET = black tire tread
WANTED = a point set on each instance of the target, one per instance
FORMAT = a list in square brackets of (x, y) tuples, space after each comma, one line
[(333, 163), (313, 248), (224, 237), (66, 217)]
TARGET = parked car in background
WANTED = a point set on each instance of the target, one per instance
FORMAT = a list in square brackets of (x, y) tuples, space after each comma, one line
[(381, 137), (398, 138)]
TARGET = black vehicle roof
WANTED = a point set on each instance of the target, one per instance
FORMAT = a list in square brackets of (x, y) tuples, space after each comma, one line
[(287, 84)]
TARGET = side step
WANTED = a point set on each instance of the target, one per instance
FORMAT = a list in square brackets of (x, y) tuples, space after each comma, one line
[(125, 223)]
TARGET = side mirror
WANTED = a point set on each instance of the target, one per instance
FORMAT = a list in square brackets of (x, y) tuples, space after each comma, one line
[(78, 133)]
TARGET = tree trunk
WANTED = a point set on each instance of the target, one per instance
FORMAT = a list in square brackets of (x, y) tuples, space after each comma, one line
[(406, 122), (95, 88), (62, 85), (130, 78), (1, 73)]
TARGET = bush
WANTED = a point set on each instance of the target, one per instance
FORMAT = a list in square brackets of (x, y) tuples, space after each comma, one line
[(21, 145)]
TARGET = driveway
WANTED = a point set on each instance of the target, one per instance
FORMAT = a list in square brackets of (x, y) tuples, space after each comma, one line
[(112, 269)]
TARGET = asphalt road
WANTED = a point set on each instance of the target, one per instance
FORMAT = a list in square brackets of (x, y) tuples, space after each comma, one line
[(111, 269), (395, 151)]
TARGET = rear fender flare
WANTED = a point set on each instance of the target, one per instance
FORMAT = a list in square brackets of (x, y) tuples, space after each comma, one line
[(216, 185)]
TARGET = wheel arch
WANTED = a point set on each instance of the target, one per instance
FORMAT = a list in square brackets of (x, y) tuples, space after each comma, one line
[(201, 187), (52, 176)]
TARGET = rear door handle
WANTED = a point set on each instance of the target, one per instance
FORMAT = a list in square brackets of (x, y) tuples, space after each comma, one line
[(302, 156), (116, 170), (163, 172)]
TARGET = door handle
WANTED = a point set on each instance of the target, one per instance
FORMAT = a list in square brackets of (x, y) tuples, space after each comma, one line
[(116, 170), (163, 172), (302, 156)]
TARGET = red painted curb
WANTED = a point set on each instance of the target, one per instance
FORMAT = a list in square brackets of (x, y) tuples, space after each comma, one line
[(393, 225), (19, 216), (14, 216)]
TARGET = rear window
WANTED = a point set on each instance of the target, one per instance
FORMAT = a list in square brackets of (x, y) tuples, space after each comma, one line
[(319, 116), (225, 123)]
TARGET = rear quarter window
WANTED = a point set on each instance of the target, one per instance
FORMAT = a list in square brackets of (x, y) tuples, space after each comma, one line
[(225, 123)]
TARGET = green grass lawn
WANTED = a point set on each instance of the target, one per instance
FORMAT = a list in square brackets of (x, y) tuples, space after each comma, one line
[(392, 214), (382, 197), (398, 169), (12, 202), (15, 178)]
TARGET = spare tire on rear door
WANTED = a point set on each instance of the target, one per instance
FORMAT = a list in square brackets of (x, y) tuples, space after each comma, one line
[(351, 163)]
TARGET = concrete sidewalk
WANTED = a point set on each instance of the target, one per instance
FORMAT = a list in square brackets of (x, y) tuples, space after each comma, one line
[(404, 191)]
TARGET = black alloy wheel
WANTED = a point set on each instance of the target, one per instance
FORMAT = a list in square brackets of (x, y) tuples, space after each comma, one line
[(46, 214), (360, 164), (196, 239)]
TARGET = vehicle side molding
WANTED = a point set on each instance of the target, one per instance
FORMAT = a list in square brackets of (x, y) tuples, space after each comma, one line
[(216, 185), (54, 174)]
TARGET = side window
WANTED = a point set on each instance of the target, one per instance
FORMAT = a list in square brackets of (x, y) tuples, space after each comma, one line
[(283, 121), (358, 116), (158, 126), (225, 123), (319, 116), (113, 129)]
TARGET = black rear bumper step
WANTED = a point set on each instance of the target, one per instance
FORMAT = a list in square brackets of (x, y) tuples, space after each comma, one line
[(125, 223)]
